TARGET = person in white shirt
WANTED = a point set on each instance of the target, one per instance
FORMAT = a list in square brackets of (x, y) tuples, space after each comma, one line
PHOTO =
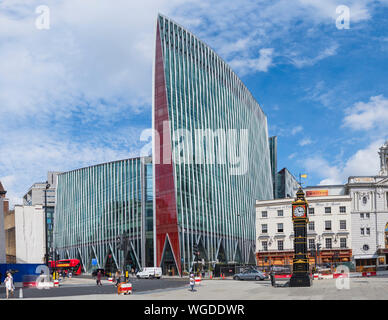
[(192, 281), (9, 286)]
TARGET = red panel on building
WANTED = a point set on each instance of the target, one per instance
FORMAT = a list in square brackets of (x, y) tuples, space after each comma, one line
[(166, 220)]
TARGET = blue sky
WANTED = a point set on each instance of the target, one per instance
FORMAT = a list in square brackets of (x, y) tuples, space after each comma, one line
[(79, 93)]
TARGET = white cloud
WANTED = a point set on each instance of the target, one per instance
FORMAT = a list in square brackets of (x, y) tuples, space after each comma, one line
[(303, 61), (305, 142), (296, 129), (364, 162), (292, 155), (369, 115), (28, 155), (94, 53), (262, 63)]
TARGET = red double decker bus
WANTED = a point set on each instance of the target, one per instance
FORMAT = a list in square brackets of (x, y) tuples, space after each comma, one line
[(73, 265)]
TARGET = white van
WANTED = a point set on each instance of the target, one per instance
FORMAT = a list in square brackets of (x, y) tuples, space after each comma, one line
[(149, 273)]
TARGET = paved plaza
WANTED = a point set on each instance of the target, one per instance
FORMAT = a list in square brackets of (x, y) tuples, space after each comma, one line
[(373, 288)]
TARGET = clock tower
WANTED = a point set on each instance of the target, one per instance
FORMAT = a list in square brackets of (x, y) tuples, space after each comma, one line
[(300, 269)]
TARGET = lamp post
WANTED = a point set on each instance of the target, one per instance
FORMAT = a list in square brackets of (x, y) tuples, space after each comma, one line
[(45, 218)]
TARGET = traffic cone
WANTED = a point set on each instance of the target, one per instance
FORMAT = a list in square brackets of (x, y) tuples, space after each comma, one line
[(21, 293)]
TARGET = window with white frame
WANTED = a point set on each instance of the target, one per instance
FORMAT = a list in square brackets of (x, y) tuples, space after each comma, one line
[(280, 245), (343, 224), (327, 209), (280, 213), (311, 210), (328, 243), (264, 245), (342, 209), (264, 228), (264, 214), (342, 242), (327, 225), (311, 226), (280, 227), (311, 243)]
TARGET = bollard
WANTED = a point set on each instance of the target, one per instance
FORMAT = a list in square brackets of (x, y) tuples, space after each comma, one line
[(21, 293)]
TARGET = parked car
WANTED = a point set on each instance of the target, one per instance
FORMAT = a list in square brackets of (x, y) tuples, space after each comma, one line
[(150, 273), (250, 275)]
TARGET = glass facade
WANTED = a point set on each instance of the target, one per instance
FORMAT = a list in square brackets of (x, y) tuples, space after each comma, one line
[(286, 185), (105, 212), (273, 148), (204, 203)]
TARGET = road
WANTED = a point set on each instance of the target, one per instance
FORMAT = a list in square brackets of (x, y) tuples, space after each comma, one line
[(87, 287)]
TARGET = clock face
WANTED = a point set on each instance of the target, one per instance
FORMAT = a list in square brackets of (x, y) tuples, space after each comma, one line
[(299, 211)]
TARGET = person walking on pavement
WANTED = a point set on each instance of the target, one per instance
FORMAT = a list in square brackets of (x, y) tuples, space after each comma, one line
[(192, 281), (272, 275), (9, 286), (99, 274), (117, 277)]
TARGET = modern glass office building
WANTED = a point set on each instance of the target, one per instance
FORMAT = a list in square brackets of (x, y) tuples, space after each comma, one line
[(104, 215), (273, 149), (211, 155)]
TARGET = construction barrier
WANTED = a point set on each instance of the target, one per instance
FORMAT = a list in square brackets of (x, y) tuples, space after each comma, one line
[(45, 285), (110, 280), (56, 283), (282, 276), (197, 280), (29, 284), (124, 288), (369, 274)]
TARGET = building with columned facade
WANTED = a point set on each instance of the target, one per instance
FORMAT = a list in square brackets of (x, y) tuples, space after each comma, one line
[(350, 219), (329, 227)]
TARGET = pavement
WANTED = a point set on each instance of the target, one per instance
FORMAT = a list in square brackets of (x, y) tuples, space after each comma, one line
[(373, 288)]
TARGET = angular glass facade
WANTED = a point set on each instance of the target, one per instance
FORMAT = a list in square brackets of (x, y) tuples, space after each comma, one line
[(273, 148), (105, 212), (286, 185), (201, 199)]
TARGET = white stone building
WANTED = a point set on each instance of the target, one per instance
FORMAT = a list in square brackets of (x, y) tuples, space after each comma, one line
[(2, 232), (329, 225), (370, 217), (364, 202), (30, 234)]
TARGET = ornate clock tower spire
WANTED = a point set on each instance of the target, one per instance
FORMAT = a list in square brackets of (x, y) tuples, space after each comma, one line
[(301, 267), (384, 159)]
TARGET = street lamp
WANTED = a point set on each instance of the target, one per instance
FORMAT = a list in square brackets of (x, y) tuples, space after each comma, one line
[(123, 246), (45, 215)]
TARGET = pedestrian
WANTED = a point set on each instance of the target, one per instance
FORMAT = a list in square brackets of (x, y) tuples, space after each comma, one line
[(192, 281), (70, 274), (133, 272), (9, 286), (117, 277), (99, 274), (272, 275)]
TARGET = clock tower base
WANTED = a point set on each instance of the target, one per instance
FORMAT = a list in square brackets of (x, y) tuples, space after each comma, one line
[(300, 280)]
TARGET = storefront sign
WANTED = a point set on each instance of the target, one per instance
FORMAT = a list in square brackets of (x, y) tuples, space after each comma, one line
[(317, 193)]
